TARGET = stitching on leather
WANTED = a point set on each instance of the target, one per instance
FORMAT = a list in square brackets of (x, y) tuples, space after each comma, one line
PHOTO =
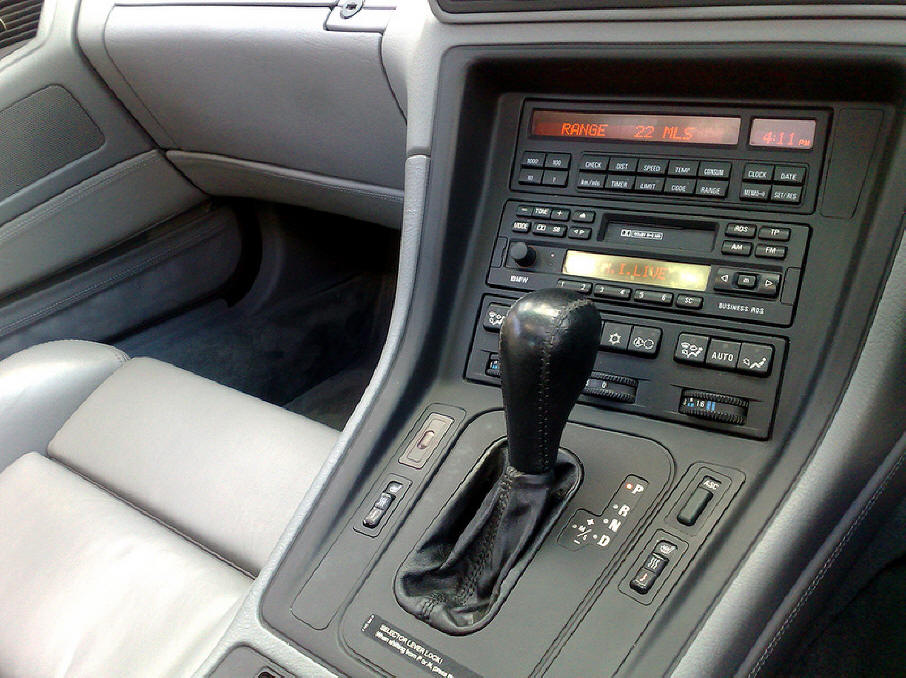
[(156, 519), (192, 240), (544, 394), (819, 576), (12, 229)]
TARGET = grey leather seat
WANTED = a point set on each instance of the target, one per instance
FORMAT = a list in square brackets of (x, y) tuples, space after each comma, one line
[(126, 550)]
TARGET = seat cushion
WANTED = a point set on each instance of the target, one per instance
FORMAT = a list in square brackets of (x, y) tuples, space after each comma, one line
[(224, 468), (89, 586)]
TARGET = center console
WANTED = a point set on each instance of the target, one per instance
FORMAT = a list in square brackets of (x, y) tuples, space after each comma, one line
[(725, 238)]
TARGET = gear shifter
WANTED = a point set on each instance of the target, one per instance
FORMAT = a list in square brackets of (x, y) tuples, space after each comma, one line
[(548, 344), (462, 569)]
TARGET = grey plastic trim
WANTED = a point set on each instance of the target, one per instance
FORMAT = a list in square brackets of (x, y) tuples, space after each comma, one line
[(90, 217), (220, 175), (163, 270), (247, 628), (845, 536), (262, 83), (674, 13), (713, 647), (53, 58), (415, 42)]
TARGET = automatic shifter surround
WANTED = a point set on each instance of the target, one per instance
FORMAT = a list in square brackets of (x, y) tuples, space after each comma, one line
[(462, 569)]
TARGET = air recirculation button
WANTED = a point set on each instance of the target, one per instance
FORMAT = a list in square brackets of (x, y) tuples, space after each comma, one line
[(714, 406)]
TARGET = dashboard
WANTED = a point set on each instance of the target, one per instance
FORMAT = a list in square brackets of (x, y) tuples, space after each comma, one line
[(724, 183), (719, 228)]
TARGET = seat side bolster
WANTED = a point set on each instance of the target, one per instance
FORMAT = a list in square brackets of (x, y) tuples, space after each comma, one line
[(42, 386)]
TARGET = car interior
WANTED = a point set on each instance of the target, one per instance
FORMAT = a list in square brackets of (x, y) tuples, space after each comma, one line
[(458, 338)]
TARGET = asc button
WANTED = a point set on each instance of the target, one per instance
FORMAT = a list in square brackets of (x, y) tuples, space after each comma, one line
[(583, 216)]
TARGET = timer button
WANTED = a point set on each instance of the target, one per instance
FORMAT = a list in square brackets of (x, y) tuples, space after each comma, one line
[(615, 182), (522, 254)]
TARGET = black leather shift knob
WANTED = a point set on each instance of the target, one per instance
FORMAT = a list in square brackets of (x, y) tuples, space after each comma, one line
[(548, 344)]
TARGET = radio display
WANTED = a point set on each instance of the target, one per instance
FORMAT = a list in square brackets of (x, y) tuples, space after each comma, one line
[(782, 133), (670, 274), (665, 129)]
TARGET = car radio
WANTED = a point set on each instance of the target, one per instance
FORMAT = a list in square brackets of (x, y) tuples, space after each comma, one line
[(730, 269)]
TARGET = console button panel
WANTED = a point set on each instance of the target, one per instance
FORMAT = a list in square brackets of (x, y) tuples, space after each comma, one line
[(674, 370), (656, 168)]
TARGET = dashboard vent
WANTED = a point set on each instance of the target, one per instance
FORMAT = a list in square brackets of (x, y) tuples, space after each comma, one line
[(18, 21)]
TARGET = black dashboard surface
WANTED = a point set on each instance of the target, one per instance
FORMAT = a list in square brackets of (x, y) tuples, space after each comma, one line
[(331, 563)]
